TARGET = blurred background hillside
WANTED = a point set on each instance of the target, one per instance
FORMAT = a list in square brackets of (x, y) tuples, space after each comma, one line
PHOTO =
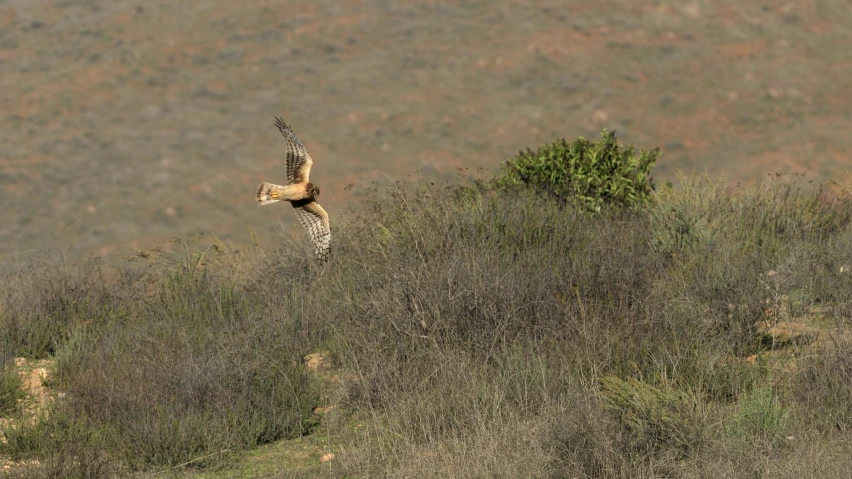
[(123, 123)]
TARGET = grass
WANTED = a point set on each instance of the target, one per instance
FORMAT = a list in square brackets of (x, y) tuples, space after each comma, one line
[(471, 333), (10, 391)]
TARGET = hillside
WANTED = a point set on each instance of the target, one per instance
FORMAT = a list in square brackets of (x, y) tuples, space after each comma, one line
[(456, 332), (126, 123)]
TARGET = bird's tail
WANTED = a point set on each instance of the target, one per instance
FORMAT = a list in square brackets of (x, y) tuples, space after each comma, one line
[(268, 193)]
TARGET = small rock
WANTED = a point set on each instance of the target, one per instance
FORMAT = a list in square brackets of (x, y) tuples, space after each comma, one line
[(327, 457), (315, 361)]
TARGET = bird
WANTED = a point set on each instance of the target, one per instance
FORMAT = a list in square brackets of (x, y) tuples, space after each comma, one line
[(300, 192)]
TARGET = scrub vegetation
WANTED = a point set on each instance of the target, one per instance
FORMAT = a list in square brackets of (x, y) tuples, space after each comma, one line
[(491, 328)]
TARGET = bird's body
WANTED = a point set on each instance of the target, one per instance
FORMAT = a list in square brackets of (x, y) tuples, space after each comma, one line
[(267, 193), (300, 192)]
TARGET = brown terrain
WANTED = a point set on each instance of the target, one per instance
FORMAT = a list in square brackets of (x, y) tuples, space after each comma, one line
[(123, 123)]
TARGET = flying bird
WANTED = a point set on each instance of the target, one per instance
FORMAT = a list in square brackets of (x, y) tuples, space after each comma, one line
[(300, 192)]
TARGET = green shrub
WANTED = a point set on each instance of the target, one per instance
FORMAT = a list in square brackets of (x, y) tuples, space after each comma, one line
[(10, 390), (654, 417), (592, 173), (760, 413)]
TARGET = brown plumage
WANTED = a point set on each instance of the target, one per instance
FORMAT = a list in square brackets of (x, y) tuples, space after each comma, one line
[(300, 192)]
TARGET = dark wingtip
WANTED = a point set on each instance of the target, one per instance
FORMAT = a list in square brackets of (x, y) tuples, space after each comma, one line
[(322, 256), (285, 129), (279, 122)]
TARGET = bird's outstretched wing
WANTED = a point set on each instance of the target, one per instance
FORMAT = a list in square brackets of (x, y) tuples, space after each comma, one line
[(298, 162), (315, 220)]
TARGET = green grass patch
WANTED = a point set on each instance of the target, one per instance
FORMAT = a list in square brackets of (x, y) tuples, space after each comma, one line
[(10, 390)]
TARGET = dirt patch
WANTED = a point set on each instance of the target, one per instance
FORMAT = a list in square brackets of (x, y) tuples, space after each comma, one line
[(317, 361), (788, 332), (34, 376), (786, 338)]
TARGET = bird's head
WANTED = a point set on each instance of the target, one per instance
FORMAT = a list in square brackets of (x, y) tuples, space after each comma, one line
[(314, 191)]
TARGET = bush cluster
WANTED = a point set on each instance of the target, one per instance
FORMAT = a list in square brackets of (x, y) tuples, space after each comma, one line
[(593, 174)]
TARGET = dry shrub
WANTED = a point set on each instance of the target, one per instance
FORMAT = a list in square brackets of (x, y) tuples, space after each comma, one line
[(469, 326)]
